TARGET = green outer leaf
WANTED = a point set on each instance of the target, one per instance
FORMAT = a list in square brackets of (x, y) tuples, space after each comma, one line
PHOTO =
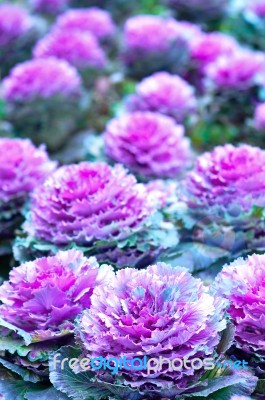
[(26, 336), (27, 375), (261, 386), (14, 390), (222, 388), (85, 386), (76, 386), (7, 343), (44, 394)]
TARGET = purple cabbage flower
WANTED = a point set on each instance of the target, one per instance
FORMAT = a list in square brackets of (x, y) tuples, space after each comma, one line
[(242, 283), (100, 209), (14, 22), (164, 93), (207, 48), (81, 49), (40, 302), (43, 297), (22, 168), (225, 215), (149, 144), (229, 175), (237, 72), (18, 33), (41, 79), (43, 100), (93, 20), (158, 312), (231, 88), (50, 7), (153, 43)]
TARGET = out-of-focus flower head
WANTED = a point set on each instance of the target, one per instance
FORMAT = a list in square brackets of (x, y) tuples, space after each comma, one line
[(14, 22), (207, 48), (80, 49), (48, 293), (40, 78), (94, 20), (149, 144), (22, 168), (164, 93), (238, 71), (150, 33), (148, 313), (52, 7)]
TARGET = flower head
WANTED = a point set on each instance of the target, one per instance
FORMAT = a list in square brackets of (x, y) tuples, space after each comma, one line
[(259, 117), (242, 283), (160, 311), (14, 22), (52, 7), (48, 293), (238, 71), (22, 168), (228, 175), (80, 49), (164, 93), (149, 34), (148, 143), (207, 48), (94, 20), (87, 202), (36, 79)]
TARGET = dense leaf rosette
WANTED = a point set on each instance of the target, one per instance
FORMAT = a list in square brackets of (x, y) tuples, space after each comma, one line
[(207, 48), (39, 305), (97, 207), (229, 175), (164, 93), (242, 283), (36, 79), (14, 22), (153, 43), (150, 144), (44, 296), (94, 20), (43, 100), (224, 198), (80, 49), (158, 312), (237, 72)]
